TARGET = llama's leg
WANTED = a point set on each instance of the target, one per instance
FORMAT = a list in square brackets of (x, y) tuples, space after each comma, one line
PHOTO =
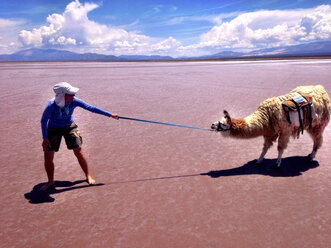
[(282, 144), (318, 140), (279, 158), (267, 144), (263, 153), (312, 155)]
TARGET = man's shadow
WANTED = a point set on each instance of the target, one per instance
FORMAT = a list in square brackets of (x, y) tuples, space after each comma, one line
[(37, 196), (290, 167)]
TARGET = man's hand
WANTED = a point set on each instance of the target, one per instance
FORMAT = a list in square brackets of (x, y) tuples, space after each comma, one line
[(45, 144), (115, 116)]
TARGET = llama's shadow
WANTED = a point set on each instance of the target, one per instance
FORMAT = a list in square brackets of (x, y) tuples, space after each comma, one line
[(290, 167), (37, 196)]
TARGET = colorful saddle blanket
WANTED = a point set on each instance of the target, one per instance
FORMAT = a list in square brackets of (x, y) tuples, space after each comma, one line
[(302, 104)]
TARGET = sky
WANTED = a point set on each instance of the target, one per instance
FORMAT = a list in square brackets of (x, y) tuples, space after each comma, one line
[(161, 27)]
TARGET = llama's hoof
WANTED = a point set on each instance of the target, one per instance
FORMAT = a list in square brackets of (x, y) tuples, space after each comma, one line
[(257, 162), (276, 166), (309, 158)]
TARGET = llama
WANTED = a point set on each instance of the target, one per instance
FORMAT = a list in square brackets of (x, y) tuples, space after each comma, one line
[(271, 122)]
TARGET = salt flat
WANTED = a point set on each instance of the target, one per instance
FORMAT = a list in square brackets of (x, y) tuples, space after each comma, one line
[(161, 186)]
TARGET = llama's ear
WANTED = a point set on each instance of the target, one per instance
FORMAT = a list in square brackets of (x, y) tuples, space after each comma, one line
[(227, 116)]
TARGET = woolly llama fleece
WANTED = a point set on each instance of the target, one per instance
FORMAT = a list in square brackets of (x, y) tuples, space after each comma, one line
[(275, 120)]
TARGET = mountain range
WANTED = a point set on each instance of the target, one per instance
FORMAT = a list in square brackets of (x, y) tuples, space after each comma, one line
[(302, 50), (36, 54)]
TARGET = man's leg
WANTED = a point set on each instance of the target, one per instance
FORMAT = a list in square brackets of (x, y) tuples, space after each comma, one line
[(83, 164), (49, 167)]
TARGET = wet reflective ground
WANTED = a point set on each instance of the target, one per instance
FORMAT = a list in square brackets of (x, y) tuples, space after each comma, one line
[(160, 186)]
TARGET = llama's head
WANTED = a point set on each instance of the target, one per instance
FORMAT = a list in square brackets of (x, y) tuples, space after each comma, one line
[(224, 124)]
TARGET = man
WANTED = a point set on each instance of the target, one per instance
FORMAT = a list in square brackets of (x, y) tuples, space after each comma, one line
[(57, 121)]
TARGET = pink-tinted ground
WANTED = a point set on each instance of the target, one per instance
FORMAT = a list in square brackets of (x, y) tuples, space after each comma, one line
[(161, 186)]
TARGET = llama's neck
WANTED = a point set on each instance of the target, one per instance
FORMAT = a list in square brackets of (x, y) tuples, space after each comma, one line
[(249, 127)]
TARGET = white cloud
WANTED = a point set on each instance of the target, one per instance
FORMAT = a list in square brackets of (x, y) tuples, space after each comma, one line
[(8, 34), (269, 29), (73, 30), (63, 41), (6, 23)]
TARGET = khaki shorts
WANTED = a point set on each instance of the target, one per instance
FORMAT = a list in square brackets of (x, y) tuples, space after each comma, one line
[(70, 133)]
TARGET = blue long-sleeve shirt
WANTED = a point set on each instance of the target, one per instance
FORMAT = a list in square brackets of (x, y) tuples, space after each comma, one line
[(54, 116)]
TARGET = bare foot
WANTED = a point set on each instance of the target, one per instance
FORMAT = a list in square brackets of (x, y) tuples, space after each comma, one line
[(90, 180), (47, 186)]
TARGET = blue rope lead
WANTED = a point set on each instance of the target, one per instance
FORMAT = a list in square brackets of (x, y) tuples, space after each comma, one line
[(163, 123)]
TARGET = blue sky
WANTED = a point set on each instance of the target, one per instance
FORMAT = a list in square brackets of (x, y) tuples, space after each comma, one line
[(164, 27)]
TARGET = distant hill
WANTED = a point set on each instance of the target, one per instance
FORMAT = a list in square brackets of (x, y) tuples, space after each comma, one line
[(309, 49), (223, 55), (145, 57), (36, 54)]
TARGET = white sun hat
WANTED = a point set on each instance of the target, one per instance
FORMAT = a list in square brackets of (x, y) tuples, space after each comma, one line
[(65, 88)]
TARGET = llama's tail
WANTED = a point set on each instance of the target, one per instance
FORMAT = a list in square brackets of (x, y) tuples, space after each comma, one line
[(326, 101)]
